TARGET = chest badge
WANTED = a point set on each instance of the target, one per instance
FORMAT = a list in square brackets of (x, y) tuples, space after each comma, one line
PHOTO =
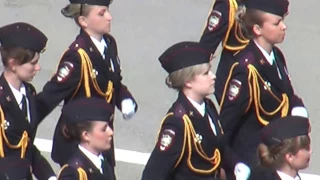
[(5, 124), (198, 138)]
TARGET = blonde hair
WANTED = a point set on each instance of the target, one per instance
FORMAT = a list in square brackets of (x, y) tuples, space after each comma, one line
[(73, 11), (177, 79), (247, 18), (274, 156)]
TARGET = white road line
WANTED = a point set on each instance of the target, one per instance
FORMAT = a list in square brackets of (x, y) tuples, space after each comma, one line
[(122, 155), (135, 157)]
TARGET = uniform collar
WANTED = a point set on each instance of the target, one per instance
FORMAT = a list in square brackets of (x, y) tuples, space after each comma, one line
[(96, 160), (284, 176), (101, 45)]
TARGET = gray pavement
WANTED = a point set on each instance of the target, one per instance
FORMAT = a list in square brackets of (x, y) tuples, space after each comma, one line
[(143, 30)]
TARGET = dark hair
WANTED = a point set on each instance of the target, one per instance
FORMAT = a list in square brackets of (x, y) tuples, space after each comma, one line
[(247, 18), (73, 11), (274, 156), (20, 55), (73, 131)]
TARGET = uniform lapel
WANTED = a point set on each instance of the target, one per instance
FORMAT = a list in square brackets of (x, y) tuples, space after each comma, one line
[(266, 69), (92, 171), (10, 105)]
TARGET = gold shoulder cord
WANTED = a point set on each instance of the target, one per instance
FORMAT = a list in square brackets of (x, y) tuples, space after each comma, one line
[(284, 103), (82, 173), (88, 75), (233, 5), (188, 141), (254, 94), (237, 31), (23, 143)]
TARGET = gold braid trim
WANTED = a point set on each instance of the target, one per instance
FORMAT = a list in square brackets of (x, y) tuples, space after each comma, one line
[(284, 103), (23, 143), (88, 75), (188, 141), (81, 172), (237, 31), (254, 95)]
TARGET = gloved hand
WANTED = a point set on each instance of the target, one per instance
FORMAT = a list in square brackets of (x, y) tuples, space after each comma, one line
[(242, 171), (299, 111), (128, 108)]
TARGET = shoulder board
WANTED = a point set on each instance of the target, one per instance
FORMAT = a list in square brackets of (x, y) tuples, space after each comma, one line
[(245, 57), (178, 110), (78, 43), (75, 163)]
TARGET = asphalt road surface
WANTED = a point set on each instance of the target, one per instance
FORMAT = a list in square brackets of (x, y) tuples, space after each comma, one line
[(143, 30)]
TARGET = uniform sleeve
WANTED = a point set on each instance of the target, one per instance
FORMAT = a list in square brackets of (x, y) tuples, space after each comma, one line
[(40, 166), (62, 84), (235, 104), (216, 25), (236, 101), (68, 173), (166, 151)]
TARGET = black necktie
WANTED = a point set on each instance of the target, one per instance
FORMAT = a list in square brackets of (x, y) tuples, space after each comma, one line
[(24, 106), (105, 52)]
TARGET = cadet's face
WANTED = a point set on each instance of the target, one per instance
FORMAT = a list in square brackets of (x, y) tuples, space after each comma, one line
[(27, 71), (203, 84), (301, 159), (100, 136), (99, 20), (273, 29)]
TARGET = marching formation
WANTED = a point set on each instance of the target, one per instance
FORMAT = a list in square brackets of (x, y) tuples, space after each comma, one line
[(260, 132)]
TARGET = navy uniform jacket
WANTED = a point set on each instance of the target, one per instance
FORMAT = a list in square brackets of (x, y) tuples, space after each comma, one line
[(171, 158), (254, 96), (81, 161), (14, 125), (69, 82), (222, 27)]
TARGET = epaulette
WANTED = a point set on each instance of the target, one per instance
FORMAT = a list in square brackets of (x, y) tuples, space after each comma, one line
[(244, 58), (77, 44), (178, 110), (75, 163)]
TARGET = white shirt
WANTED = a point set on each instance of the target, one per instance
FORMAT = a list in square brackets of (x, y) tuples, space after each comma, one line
[(270, 57), (96, 160), (100, 46), (284, 176), (19, 95), (202, 109)]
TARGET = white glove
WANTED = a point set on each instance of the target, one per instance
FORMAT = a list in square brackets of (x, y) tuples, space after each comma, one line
[(299, 111), (127, 108), (53, 178), (242, 171)]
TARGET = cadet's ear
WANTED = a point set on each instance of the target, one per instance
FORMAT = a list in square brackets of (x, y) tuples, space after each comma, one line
[(82, 21), (257, 30)]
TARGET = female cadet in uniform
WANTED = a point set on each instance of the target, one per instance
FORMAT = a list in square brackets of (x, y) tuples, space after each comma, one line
[(258, 87), (283, 153), (190, 142), (21, 45), (221, 26), (89, 68), (87, 123)]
